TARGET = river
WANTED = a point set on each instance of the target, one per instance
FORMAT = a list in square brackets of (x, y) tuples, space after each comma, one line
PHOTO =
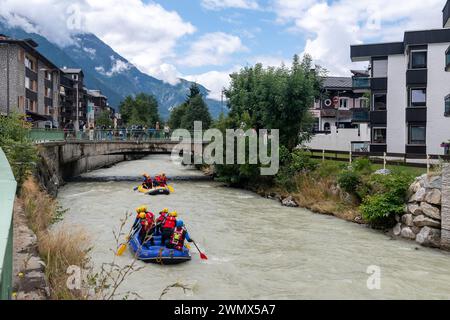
[(257, 249)]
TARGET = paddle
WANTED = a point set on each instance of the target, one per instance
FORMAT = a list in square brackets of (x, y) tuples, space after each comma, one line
[(123, 246), (171, 189), (202, 255)]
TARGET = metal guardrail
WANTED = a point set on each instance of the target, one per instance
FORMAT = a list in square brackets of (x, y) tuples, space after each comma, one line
[(55, 135), (8, 187)]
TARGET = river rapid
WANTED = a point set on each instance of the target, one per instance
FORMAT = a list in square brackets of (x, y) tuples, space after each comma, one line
[(257, 249)]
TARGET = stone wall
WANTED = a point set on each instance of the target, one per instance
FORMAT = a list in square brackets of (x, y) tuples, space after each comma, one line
[(422, 219)]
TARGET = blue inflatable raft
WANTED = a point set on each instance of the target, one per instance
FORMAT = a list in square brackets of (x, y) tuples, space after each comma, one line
[(157, 253)]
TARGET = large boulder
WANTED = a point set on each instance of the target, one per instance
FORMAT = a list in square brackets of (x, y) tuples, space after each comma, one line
[(422, 221), (397, 229), (408, 233), (430, 211), (407, 219), (434, 196), (414, 188), (289, 202), (434, 182), (419, 196), (429, 237), (414, 209)]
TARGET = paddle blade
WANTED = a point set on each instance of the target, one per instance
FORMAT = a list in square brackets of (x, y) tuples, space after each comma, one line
[(203, 256), (171, 189), (121, 249)]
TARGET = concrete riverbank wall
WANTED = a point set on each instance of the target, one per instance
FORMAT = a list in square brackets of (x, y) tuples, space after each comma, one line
[(61, 161)]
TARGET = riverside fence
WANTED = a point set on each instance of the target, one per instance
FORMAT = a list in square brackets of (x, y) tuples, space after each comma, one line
[(8, 187), (404, 159)]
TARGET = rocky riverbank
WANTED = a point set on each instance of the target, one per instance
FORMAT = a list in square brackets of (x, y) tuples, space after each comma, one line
[(422, 219), (29, 282)]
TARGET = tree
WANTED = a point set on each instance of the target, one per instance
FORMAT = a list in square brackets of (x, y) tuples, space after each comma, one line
[(176, 115), (19, 150), (141, 110), (276, 98), (104, 119), (271, 98), (193, 109)]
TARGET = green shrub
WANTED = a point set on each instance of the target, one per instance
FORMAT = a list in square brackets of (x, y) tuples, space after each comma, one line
[(349, 180), (301, 161), (388, 198), (362, 165), (329, 169), (380, 210), (19, 150)]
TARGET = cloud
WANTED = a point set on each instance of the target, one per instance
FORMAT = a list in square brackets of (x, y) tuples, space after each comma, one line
[(223, 4), (118, 66), (144, 33), (330, 28), (215, 81), (213, 49)]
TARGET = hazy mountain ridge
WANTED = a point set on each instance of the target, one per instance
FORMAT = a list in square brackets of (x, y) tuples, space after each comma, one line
[(106, 70)]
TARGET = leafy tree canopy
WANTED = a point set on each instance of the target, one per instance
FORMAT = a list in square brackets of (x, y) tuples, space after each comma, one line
[(141, 110), (193, 109)]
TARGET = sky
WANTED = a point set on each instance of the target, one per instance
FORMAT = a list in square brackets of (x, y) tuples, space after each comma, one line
[(206, 40)]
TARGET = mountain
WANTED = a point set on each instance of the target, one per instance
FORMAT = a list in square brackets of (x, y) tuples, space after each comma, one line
[(106, 70)]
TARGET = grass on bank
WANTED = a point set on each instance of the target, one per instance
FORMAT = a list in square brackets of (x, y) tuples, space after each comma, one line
[(58, 248), (354, 193)]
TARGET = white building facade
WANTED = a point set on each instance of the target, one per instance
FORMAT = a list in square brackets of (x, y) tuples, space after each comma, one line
[(410, 92)]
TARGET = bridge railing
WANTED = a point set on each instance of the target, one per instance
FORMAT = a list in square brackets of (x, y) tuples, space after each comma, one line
[(135, 135), (8, 187)]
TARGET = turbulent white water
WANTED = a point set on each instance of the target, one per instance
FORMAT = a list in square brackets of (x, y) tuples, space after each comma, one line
[(257, 249)]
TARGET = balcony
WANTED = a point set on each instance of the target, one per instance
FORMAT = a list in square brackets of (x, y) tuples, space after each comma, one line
[(328, 113), (378, 117), (361, 83), (360, 116)]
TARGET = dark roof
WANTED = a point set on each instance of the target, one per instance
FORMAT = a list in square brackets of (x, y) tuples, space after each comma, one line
[(360, 73), (337, 83), (30, 46), (71, 70)]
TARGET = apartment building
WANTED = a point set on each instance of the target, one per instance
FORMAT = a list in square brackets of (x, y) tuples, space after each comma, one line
[(96, 104), (73, 98), (341, 115), (338, 105), (28, 82), (409, 86)]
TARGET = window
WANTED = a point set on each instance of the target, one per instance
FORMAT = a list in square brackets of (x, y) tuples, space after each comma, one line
[(27, 104), (417, 134), (380, 68), (364, 103), (327, 127), (379, 101), (29, 63), (379, 136), (447, 106), (27, 83), (75, 77), (447, 59), (418, 97), (343, 103), (48, 92), (418, 59), (48, 76)]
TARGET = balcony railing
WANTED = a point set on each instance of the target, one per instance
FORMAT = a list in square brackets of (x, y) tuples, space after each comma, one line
[(360, 115), (361, 83)]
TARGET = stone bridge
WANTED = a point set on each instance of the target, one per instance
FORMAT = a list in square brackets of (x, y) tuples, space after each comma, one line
[(63, 160)]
